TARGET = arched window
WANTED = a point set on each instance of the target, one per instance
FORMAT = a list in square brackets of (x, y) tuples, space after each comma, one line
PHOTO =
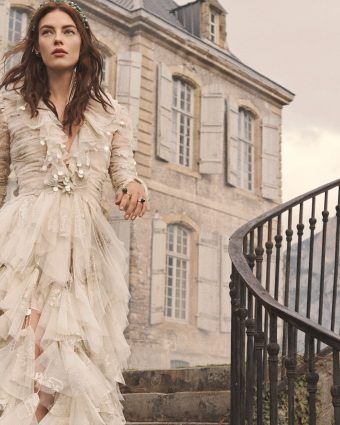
[(246, 149), (183, 120), (177, 271)]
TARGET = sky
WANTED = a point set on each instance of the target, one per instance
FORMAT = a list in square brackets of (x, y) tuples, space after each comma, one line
[(296, 43)]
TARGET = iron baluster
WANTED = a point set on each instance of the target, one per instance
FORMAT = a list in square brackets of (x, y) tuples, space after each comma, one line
[(336, 262), (312, 381), (325, 214)]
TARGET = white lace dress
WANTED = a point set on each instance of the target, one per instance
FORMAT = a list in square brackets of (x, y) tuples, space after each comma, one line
[(60, 255)]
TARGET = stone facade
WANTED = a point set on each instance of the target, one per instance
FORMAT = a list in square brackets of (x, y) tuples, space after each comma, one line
[(144, 53)]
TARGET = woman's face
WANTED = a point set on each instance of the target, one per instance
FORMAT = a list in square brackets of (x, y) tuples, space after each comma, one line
[(57, 31)]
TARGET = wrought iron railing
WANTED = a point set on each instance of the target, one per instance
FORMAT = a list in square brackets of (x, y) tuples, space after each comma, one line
[(284, 290)]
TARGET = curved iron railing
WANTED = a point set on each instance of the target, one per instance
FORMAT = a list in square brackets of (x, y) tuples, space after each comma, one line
[(284, 290)]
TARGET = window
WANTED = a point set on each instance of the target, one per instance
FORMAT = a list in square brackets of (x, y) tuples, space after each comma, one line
[(214, 26), (17, 25), (18, 21), (246, 149), (177, 272), (183, 120), (178, 363)]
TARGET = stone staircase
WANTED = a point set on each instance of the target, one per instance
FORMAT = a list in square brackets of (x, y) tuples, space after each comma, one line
[(181, 396)]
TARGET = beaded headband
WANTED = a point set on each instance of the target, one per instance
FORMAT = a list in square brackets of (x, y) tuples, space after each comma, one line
[(74, 6)]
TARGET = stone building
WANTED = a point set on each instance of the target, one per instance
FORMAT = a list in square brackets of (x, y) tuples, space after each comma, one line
[(208, 144)]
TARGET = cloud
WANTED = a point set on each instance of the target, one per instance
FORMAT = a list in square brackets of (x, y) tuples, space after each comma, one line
[(311, 157)]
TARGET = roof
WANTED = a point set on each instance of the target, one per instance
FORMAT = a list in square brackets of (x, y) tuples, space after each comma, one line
[(160, 8), (165, 10)]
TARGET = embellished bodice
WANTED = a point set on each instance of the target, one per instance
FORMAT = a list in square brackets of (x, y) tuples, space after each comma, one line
[(36, 149)]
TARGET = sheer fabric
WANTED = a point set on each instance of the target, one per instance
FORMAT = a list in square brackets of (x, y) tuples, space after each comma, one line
[(60, 256)]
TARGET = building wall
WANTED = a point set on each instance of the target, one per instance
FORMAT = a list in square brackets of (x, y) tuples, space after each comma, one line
[(206, 204)]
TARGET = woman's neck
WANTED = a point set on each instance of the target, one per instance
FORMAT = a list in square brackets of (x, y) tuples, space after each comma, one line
[(59, 84)]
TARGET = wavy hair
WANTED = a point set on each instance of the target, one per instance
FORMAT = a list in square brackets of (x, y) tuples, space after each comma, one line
[(30, 77)]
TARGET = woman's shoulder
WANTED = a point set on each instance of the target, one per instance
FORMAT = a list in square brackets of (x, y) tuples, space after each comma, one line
[(115, 117)]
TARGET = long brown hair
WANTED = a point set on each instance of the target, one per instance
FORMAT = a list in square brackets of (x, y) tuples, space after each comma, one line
[(32, 75)]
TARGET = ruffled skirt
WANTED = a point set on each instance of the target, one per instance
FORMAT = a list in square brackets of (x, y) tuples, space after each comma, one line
[(60, 256)]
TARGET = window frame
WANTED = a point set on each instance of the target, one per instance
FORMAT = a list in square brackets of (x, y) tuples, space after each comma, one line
[(175, 255), (178, 113), (214, 22), (24, 24), (14, 60), (246, 152)]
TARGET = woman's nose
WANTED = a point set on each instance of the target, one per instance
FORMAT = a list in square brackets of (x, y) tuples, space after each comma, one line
[(58, 38)]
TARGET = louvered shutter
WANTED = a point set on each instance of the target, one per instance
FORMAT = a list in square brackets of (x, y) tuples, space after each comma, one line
[(158, 270), (212, 130), (129, 65), (166, 142), (225, 311), (208, 281), (271, 172), (233, 147)]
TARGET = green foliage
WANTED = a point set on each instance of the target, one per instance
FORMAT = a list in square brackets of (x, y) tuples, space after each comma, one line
[(301, 407)]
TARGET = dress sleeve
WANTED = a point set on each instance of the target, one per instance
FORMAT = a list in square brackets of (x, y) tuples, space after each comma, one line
[(122, 168), (5, 158)]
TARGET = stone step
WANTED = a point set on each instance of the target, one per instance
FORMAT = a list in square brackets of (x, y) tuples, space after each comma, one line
[(181, 407), (207, 378), (177, 423)]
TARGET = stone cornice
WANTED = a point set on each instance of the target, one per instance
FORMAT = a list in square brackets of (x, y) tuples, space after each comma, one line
[(206, 52)]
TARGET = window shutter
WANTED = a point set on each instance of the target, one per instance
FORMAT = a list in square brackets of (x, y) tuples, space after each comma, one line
[(158, 271), (233, 166), (166, 143), (271, 173), (212, 130), (225, 311), (4, 19), (129, 66), (208, 281)]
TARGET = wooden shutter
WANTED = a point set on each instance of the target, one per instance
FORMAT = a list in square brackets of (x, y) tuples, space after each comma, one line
[(212, 130), (271, 172), (233, 147), (208, 281), (158, 271), (225, 308), (166, 143), (4, 19), (129, 65)]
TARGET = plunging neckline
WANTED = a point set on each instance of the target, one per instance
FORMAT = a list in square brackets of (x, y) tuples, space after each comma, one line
[(68, 151)]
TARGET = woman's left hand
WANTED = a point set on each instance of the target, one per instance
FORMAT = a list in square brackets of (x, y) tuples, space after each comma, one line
[(129, 203)]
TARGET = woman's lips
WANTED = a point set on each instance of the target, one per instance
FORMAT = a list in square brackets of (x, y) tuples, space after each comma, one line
[(59, 53)]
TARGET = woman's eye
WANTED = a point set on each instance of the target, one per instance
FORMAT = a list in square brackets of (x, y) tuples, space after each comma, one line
[(70, 31)]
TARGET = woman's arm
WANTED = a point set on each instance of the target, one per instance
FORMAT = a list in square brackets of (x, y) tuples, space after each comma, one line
[(122, 168)]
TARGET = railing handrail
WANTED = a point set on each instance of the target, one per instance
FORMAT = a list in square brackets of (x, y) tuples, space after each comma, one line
[(239, 261)]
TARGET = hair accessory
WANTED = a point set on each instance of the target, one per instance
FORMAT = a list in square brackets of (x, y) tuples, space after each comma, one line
[(74, 6)]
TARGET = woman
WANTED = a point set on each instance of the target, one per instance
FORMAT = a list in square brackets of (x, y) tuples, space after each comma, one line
[(63, 292)]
